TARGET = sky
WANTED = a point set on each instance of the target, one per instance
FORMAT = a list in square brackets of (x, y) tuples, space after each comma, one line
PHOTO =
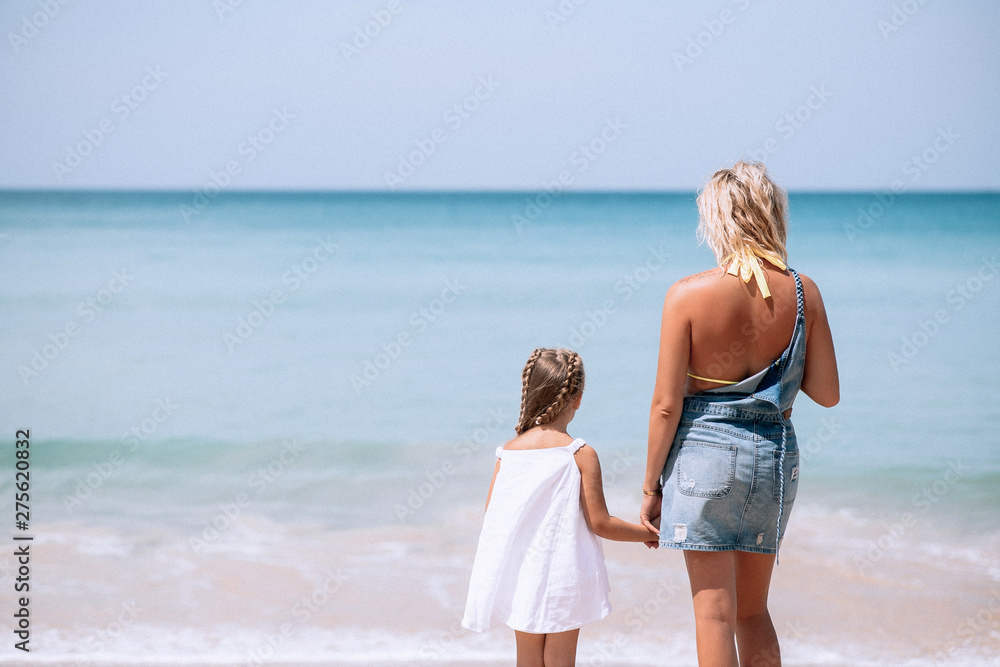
[(513, 95)]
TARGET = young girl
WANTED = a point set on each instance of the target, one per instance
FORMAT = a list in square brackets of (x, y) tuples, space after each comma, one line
[(539, 567)]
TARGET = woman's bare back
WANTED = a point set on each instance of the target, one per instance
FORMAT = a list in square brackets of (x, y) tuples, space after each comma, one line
[(735, 332)]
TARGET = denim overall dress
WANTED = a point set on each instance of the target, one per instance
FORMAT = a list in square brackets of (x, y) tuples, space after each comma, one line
[(731, 475)]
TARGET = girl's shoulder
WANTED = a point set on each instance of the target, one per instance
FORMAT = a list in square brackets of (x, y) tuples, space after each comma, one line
[(587, 461)]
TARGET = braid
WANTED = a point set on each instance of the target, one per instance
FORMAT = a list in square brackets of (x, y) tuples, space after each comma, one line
[(525, 376), (550, 380), (565, 391)]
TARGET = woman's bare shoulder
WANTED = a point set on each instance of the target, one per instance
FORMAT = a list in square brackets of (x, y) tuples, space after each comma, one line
[(811, 291), (694, 289), (695, 284)]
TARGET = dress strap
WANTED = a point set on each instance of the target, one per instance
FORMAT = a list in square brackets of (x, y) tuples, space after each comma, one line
[(800, 297), (781, 488), (500, 452), (575, 446)]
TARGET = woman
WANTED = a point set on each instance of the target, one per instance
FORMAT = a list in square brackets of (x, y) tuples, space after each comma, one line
[(733, 356)]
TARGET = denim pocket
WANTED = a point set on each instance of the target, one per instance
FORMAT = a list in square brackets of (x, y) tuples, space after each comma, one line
[(705, 469), (791, 476)]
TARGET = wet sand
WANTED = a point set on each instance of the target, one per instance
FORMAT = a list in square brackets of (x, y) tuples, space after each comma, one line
[(307, 595)]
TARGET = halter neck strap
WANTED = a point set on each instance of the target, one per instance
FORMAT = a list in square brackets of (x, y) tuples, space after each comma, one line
[(747, 265)]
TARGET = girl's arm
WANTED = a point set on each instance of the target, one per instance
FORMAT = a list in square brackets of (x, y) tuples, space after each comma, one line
[(595, 508), (668, 397), (489, 494), (820, 380)]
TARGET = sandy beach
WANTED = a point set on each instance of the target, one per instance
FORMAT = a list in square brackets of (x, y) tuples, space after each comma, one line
[(308, 595)]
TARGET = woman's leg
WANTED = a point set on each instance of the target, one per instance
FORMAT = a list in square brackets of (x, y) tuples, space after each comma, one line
[(713, 590), (758, 644), (560, 648), (530, 649)]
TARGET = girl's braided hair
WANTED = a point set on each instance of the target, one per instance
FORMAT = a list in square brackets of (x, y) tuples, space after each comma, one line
[(551, 380)]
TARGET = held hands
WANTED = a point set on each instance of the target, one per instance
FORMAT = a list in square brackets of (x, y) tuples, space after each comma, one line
[(649, 516)]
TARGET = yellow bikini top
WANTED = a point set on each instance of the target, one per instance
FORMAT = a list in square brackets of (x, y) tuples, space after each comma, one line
[(747, 265), (698, 377)]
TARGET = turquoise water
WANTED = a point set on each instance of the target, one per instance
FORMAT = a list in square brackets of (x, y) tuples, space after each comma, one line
[(164, 366), (472, 283)]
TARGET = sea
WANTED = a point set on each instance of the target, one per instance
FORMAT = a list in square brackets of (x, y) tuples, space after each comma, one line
[(261, 426)]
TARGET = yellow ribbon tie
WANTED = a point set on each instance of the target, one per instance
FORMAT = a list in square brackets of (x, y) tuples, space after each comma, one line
[(746, 265)]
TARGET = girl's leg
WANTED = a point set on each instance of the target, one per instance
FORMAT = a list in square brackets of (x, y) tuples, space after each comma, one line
[(530, 649), (560, 648), (713, 589), (758, 644)]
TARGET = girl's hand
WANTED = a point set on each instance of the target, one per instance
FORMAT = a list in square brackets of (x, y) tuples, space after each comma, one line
[(649, 513)]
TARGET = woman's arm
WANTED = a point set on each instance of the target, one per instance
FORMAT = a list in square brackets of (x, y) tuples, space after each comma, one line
[(820, 380), (595, 507), (489, 494), (668, 396)]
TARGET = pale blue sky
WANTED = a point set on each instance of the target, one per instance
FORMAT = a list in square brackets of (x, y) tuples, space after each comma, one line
[(884, 86)]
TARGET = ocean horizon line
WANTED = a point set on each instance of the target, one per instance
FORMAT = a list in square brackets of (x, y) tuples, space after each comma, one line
[(465, 192)]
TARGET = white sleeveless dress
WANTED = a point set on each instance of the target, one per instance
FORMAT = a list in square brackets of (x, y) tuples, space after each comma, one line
[(538, 568)]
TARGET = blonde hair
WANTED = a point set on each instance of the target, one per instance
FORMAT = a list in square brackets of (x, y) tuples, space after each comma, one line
[(550, 381), (741, 209)]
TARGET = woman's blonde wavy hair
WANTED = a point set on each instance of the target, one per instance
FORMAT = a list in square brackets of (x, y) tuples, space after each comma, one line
[(551, 380), (740, 210)]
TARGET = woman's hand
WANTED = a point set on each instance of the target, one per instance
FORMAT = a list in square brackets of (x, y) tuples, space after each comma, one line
[(649, 515)]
